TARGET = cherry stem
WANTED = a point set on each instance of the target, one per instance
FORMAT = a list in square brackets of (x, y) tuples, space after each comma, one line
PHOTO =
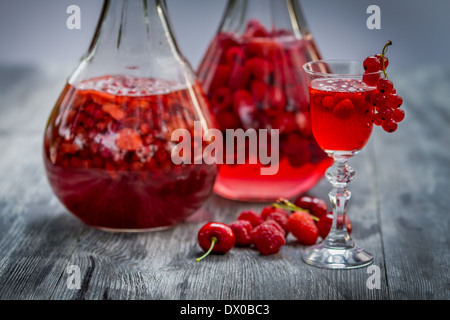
[(213, 242), (287, 205), (383, 53)]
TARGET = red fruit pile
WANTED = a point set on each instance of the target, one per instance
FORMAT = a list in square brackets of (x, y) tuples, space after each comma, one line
[(306, 219), (386, 101), (255, 80)]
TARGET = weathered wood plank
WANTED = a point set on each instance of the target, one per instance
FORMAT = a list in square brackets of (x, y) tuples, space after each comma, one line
[(397, 209), (413, 171)]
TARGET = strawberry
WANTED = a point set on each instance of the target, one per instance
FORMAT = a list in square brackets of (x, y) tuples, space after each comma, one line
[(303, 227)]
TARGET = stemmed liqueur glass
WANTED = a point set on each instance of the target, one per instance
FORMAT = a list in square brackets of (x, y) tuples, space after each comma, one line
[(341, 115)]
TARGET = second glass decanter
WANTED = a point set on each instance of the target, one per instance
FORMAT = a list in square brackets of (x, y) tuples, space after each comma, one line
[(252, 74), (108, 144)]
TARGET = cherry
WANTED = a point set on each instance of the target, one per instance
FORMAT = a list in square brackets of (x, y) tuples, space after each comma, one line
[(266, 211), (316, 206), (325, 222), (215, 237)]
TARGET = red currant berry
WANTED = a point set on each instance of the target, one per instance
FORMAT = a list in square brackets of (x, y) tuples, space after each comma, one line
[(385, 86), (380, 59), (395, 101), (390, 125), (371, 64), (386, 114), (398, 115), (377, 120), (215, 237), (379, 100), (371, 79)]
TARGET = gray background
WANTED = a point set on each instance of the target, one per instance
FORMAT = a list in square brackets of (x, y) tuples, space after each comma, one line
[(35, 31)]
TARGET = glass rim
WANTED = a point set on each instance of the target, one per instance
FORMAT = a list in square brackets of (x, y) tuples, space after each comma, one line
[(336, 61)]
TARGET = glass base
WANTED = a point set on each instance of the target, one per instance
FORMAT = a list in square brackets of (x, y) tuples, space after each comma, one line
[(322, 256), (119, 230)]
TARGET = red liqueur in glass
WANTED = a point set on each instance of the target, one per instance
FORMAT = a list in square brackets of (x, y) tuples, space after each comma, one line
[(342, 113)]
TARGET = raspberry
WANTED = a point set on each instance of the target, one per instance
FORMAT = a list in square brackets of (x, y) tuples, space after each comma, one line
[(129, 140), (251, 216), (258, 90), (279, 217), (277, 99), (328, 103), (221, 99), (242, 230), (344, 109), (259, 68), (277, 225), (303, 227), (267, 238), (234, 55)]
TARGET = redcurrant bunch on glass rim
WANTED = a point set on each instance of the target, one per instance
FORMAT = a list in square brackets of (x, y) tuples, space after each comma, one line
[(387, 103)]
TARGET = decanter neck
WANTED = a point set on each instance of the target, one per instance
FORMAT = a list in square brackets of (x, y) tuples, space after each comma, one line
[(133, 38), (274, 14)]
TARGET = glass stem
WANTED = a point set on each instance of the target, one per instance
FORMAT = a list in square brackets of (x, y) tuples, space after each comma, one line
[(340, 174)]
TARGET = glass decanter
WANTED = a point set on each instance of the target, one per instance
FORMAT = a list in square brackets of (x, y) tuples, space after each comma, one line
[(108, 141), (252, 74)]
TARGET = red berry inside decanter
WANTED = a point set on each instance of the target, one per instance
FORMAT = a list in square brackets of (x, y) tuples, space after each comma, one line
[(255, 80)]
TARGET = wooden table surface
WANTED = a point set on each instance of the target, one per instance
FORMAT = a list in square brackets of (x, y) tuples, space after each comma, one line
[(400, 198)]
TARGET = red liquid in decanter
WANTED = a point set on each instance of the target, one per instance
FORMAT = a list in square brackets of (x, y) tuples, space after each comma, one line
[(256, 81), (107, 153)]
